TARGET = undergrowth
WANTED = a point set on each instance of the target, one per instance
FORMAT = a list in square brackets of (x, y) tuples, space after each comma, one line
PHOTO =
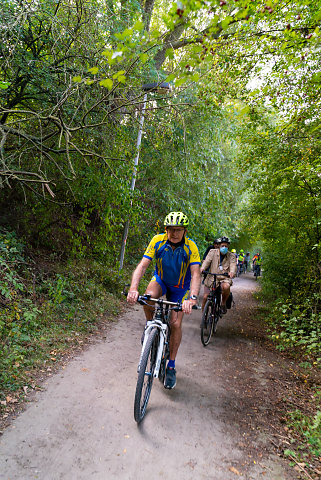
[(295, 329), (294, 324), (45, 306), (304, 434)]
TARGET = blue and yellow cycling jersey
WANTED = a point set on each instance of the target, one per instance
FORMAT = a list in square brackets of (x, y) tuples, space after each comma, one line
[(173, 266)]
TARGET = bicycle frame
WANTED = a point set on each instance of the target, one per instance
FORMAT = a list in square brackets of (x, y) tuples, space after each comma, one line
[(163, 329), (154, 352), (216, 289), (211, 312), (161, 322)]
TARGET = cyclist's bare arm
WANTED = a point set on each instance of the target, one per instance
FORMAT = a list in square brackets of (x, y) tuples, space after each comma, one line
[(194, 290), (136, 278), (196, 279)]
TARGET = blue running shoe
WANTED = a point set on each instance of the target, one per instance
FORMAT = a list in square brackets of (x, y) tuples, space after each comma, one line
[(170, 378)]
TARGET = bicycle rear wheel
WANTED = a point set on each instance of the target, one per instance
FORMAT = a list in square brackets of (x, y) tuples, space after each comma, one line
[(145, 376), (207, 323)]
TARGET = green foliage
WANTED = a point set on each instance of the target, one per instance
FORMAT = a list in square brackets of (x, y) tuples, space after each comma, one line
[(309, 429), (295, 325), (283, 203), (41, 312)]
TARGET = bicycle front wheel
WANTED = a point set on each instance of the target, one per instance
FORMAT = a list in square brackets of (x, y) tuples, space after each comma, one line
[(145, 375), (207, 323), (216, 313), (162, 368)]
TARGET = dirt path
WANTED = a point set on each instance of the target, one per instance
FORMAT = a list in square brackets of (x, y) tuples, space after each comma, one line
[(214, 425)]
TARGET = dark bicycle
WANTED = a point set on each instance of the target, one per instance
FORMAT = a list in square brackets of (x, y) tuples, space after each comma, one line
[(212, 310), (240, 269), (257, 271)]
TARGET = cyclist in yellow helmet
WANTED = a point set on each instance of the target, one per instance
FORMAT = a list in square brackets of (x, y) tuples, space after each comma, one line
[(240, 261), (177, 274)]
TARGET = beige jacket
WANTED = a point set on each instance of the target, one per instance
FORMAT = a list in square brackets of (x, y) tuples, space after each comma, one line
[(212, 260)]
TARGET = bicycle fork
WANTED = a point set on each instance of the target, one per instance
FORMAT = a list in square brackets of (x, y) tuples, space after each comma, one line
[(162, 327)]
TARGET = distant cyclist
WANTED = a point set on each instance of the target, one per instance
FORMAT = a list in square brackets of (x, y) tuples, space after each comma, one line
[(220, 261), (246, 261), (257, 265), (236, 256), (177, 274), (241, 260), (254, 260)]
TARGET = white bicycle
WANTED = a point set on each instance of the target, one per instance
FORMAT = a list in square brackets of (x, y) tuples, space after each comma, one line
[(155, 351)]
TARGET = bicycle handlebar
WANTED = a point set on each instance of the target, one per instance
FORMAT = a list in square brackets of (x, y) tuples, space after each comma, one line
[(176, 306), (143, 299), (216, 274)]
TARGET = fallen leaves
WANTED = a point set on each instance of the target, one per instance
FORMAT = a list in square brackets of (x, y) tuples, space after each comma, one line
[(234, 470), (11, 399)]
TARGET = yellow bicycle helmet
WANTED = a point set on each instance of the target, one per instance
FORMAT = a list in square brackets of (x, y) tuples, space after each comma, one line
[(176, 219)]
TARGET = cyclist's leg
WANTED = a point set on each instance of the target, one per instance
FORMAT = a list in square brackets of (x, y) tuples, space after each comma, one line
[(225, 285), (174, 295), (156, 288), (176, 334)]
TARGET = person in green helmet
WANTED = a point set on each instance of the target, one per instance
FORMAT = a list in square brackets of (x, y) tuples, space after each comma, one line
[(177, 275), (240, 261)]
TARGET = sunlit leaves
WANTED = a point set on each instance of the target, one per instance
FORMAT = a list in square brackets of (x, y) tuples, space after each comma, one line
[(138, 26), (127, 33), (120, 76), (93, 70), (143, 58), (226, 21), (114, 57), (4, 85), (107, 82)]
